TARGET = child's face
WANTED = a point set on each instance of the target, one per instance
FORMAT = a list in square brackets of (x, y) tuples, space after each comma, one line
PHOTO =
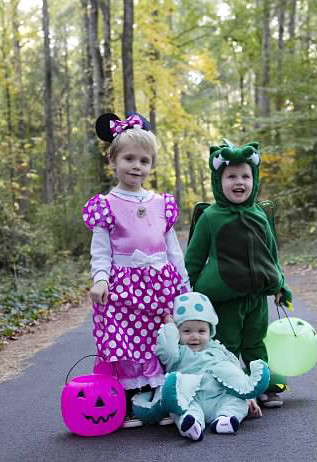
[(194, 334), (237, 183), (133, 165)]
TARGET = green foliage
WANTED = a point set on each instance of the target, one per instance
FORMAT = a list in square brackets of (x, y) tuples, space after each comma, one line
[(40, 293)]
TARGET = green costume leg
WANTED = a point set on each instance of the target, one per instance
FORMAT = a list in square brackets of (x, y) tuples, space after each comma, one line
[(230, 324)]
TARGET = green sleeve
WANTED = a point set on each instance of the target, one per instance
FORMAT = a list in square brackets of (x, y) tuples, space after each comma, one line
[(198, 249)]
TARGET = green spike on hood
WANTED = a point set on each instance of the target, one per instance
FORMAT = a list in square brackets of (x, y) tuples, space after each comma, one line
[(229, 154)]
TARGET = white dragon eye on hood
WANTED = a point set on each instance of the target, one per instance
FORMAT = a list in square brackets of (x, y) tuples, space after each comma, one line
[(218, 161), (255, 158)]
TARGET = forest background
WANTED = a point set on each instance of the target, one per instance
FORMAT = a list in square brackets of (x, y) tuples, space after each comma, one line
[(199, 71)]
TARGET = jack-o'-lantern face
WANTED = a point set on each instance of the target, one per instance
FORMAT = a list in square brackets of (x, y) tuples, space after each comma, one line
[(93, 405)]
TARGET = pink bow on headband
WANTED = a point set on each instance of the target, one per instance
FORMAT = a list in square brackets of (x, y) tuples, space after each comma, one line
[(118, 126)]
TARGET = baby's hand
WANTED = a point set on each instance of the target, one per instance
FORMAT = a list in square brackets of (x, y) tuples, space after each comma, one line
[(168, 319), (254, 408), (99, 292)]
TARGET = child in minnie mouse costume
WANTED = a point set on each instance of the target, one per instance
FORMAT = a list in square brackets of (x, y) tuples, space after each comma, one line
[(137, 264)]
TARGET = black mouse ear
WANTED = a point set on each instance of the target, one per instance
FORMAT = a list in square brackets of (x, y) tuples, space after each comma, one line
[(146, 124), (103, 126)]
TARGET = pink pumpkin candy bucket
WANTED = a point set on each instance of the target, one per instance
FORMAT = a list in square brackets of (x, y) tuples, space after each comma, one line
[(93, 404)]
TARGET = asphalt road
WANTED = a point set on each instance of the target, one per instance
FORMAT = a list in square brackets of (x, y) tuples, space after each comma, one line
[(32, 428)]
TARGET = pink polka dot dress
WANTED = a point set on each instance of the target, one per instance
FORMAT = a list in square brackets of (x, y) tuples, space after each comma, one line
[(142, 284)]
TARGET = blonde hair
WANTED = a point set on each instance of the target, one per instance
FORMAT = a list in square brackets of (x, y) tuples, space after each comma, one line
[(146, 139)]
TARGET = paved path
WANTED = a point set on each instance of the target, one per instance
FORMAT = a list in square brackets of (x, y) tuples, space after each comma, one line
[(32, 428)]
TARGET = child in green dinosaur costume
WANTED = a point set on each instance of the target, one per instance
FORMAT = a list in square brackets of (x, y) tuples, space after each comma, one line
[(232, 257)]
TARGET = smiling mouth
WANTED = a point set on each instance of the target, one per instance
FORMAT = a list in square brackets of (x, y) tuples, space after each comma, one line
[(100, 418)]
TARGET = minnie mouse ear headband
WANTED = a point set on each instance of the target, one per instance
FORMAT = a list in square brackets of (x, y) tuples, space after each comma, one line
[(108, 125)]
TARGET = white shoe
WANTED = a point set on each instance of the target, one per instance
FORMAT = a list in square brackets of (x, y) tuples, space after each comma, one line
[(166, 421), (132, 422)]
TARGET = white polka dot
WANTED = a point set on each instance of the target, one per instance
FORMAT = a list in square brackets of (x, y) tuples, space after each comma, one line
[(109, 315), (112, 344), (99, 333), (113, 359), (153, 347), (118, 337), (130, 331), (98, 318), (142, 285), (167, 283), (150, 291), (107, 351), (119, 289), (125, 294), (124, 345), (152, 272), (111, 329), (155, 333), (160, 311), (154, 305), (136, 354), (131, 346), (146, 279), (118, 316), (166, 291), (124, 309), (143, 347), (148, 340), (134, 300), (162, 299), (148, 355), (151, 326), (105, 337), (108, 219), (85, 217), (136, 339), (157, 319), (146, 299), (119, 352), (135, 277), (138, 324), (138, 293), (92, 221), (132, 317), (145, 318), (126, 281), (120, 275), (144, 332), (97, 216), (157, 286), (141, 306), (124, 323), (168, 213), (114, 297), (111, 308), (137, 312), (128, 302), (102, 308)]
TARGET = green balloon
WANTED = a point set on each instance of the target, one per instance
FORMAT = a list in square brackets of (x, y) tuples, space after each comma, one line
[(292, 346)]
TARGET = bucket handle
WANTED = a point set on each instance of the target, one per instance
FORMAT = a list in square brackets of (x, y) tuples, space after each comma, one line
[(77, 362), (281, 306)]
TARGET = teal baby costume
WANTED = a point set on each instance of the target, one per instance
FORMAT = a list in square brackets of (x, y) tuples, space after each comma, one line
[(232, 258), (202, 384)]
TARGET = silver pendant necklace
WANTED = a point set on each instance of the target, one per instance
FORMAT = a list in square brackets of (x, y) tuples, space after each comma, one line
[(141, 210)]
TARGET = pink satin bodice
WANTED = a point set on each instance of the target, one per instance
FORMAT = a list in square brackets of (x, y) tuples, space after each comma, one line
[(132, 232)]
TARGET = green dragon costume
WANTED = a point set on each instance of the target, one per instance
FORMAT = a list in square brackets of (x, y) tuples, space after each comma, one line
[(232, 258), (205, 384)]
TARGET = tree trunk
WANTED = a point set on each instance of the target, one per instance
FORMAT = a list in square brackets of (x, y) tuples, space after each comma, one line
[(178, 179), (99, 94), (89, 83), (264, 99), (280, 43), (49, 130), (108, 80), (127, 57), (22, 165), (70, 182)]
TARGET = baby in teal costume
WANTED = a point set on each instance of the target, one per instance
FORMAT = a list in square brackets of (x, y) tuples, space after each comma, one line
[(232, 257), (205, 383)]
